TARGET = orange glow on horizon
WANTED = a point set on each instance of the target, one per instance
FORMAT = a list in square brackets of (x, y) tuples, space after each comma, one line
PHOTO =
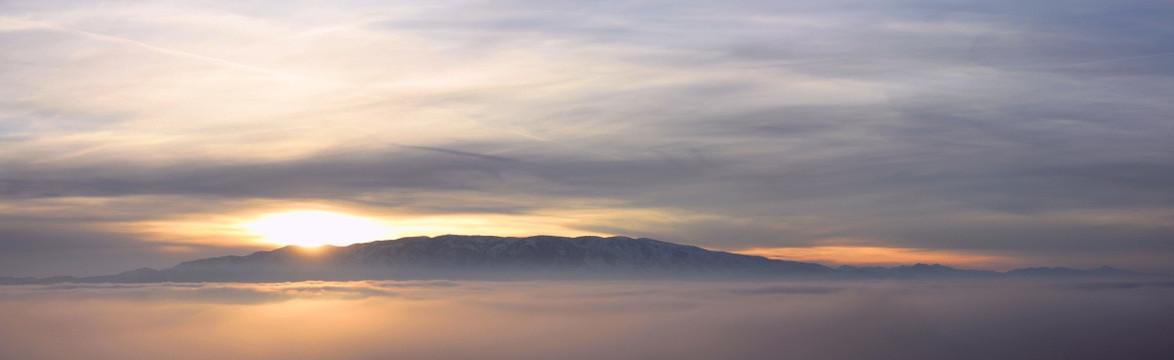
[(882, 256)]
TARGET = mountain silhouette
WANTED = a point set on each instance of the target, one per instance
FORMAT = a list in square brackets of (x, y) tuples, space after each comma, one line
[(521, 258)]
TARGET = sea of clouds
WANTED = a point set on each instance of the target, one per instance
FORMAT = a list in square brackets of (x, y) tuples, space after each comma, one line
[(999, 319)]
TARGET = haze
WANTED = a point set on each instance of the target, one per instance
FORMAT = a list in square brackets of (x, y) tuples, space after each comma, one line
[(591, 320)]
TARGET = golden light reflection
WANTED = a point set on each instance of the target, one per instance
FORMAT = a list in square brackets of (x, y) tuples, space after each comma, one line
[(881, 256), (316, 228)]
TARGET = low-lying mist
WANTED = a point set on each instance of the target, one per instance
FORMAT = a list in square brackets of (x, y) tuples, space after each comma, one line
[(591, 320)]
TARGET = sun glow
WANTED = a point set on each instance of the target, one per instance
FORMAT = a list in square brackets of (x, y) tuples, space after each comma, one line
[(883, 256), (316, 228)]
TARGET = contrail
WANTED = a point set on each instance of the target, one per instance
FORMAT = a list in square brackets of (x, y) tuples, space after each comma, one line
[(555, 142), (460, 153), (1105, 61), (9, 24), (24, 24)]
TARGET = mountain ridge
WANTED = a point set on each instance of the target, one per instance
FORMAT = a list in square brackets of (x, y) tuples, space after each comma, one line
[(492, 257), (522, 258)]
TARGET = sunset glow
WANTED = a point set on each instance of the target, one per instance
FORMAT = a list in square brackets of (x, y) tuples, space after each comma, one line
[(316, 228), (132, 132), (880, 256), (502, 180)]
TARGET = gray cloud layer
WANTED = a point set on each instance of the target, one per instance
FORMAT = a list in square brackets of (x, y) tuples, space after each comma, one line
[(1037, 129)]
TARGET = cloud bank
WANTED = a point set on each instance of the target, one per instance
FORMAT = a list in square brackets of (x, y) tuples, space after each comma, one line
[(591, 320)]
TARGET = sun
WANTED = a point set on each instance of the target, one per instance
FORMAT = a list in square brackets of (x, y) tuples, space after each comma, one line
[(316, 228)]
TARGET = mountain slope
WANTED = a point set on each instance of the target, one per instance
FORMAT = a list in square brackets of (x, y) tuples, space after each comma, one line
[(525, 258), (479, 257)]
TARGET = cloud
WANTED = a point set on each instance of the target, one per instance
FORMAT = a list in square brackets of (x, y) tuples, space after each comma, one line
[(212, 293), (731, 125), (585, 320), (44, 248)]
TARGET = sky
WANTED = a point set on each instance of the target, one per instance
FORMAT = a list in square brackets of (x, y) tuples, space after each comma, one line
[(980, 134)]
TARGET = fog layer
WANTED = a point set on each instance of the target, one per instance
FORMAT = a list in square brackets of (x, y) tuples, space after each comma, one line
[(591, 320)]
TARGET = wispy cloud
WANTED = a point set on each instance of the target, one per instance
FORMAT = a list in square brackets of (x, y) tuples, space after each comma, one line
[(965, 127), (11, 24)]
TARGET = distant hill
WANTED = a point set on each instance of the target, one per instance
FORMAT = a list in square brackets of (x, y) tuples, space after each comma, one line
[(915, 271), (1062, 271), (521, 258)]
